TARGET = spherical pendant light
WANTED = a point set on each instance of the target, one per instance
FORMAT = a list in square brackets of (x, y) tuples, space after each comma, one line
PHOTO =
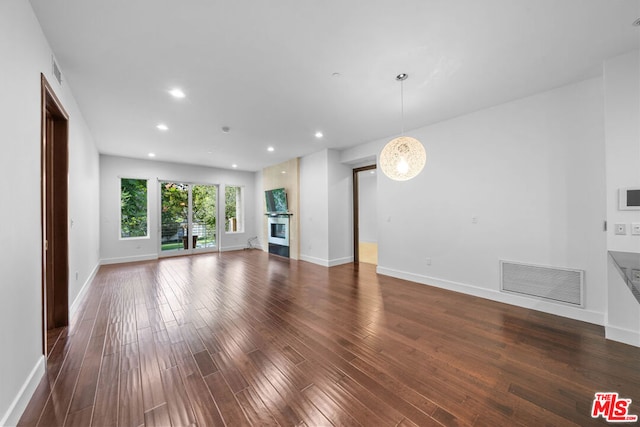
[(404, 157)]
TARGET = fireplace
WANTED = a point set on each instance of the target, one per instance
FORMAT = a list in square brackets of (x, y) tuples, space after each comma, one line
[(278, 230)]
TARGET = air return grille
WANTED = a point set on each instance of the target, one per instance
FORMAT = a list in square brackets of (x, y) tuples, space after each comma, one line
[(550, 283), (56, 71)]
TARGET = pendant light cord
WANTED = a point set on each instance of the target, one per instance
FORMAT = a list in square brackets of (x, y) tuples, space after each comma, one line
[(402, 107)]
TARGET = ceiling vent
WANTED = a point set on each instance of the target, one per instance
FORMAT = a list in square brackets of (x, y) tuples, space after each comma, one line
[(549, 283), (56, 71)]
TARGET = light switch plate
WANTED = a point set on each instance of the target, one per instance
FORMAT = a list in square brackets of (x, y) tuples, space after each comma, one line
[(635, 228), (620, 229)]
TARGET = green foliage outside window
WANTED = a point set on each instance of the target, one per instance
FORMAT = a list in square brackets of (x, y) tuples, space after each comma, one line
[(233, 208), (204, 206), (133, 207), (175, 199), (175, 205)]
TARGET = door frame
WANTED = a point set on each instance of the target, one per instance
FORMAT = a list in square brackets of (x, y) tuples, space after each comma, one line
[(356, 211), (54, 184)]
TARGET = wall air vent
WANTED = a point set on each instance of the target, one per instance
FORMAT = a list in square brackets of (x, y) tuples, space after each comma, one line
[(56, 71), (549, 283)]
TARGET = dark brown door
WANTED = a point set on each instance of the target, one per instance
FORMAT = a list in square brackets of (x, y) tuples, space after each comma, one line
[(55, 246)]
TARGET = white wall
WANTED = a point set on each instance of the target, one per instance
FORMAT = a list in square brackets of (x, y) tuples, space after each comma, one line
[(259, 206), (314, 214), (25, 54), (367, 206), (326, 228), (622, 121), (533, 174), (622, 126), (112, 168), (340, 206)]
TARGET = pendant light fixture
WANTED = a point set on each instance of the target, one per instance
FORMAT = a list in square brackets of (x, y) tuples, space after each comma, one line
[(404, 157)]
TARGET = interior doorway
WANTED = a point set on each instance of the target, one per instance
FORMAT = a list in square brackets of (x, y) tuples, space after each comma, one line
[(365, 235), (54, 200)]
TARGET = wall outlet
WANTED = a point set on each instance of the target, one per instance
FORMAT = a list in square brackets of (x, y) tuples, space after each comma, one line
[(635, 228), (428, 260), (620, 229)]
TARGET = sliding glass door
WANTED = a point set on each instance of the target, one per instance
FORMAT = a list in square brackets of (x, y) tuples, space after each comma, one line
[(188, 218)]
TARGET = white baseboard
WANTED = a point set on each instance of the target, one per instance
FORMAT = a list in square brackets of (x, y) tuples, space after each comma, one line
[(19, 404), (340, 261), (576, 313), (314, 260), (147, 257), (326, 262), (622, 335), (74, 306), (233, 248)]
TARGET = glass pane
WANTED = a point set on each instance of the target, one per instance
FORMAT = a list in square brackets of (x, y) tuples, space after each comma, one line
[(204, 215), (174, 216), (233, 209), (133, 207)]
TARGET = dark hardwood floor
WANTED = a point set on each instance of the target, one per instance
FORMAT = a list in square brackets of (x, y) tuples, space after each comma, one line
[(244, 338)]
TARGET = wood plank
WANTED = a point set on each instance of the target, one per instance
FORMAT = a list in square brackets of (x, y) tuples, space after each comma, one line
[(152, 390), (34, 408), (130, 406), (328, 408), (80, 418), (231, 373), (157, 417), (178, 405), (229, 407), (202, 402), (254, 408), (57, 407), (205, 363), (107, 393), (85, 391), (166, 359)]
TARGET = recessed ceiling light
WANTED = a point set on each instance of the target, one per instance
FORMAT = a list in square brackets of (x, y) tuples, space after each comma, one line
[(319, 135), (225, 129), (234, 166), (270, 149), (283, 171), (177, 93), (372, 172), (335, 75), (151, 154), (162, 126)]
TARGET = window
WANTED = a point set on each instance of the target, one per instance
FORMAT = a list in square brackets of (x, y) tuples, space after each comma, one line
[(133, 208), (233, 209)]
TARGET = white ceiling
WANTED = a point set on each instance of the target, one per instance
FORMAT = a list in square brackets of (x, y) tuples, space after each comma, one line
[(265, 68)]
